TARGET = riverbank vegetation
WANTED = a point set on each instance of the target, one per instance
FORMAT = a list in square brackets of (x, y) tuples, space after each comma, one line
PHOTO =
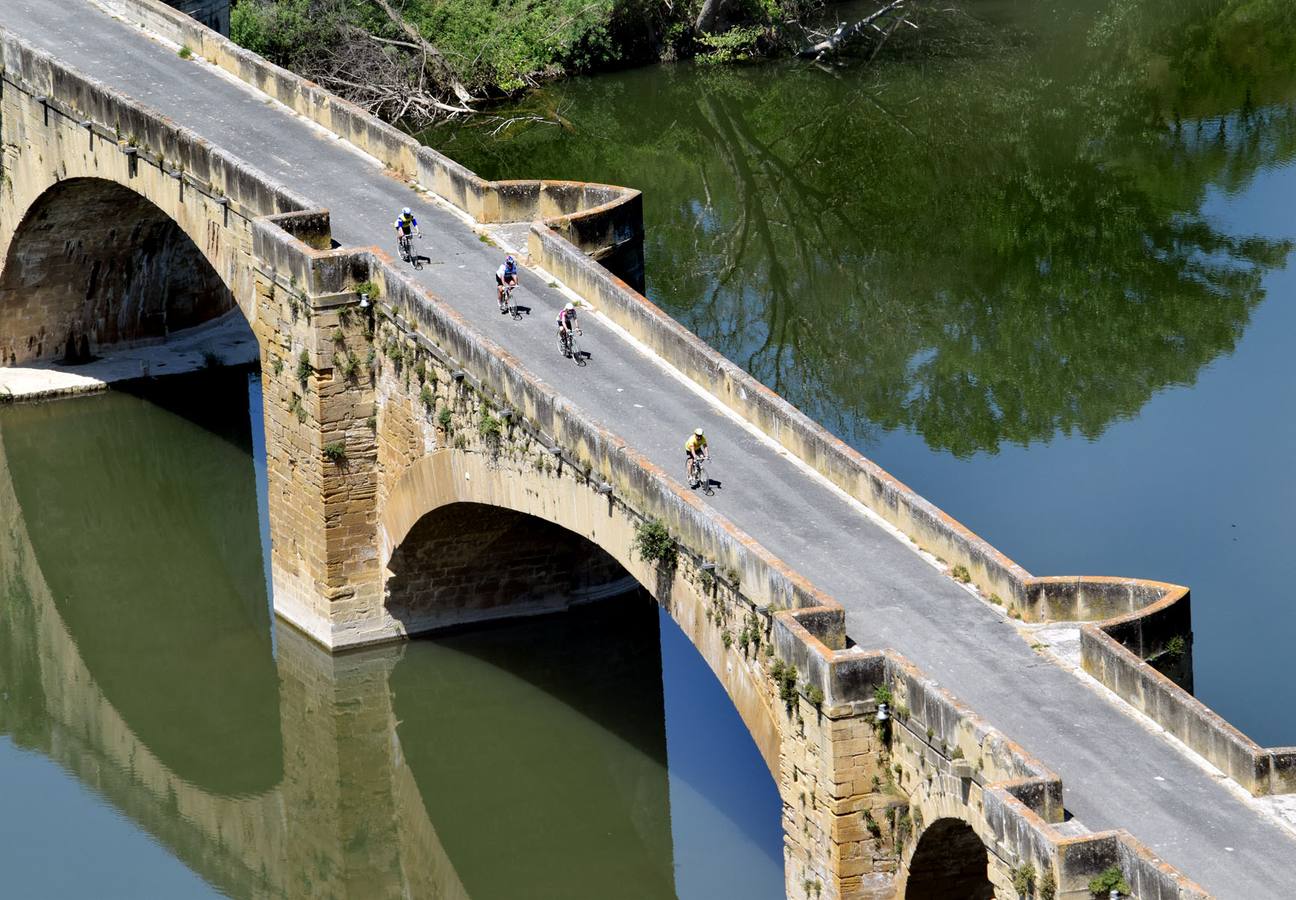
[(415, 61)]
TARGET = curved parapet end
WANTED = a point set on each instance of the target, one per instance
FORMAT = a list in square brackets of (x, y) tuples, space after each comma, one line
[(602, 220), (952, 764)]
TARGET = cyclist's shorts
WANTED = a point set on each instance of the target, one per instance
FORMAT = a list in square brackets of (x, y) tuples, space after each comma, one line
[(498, 280)]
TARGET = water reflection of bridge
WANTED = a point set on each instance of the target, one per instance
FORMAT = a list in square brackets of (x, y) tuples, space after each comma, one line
[(268, 769)]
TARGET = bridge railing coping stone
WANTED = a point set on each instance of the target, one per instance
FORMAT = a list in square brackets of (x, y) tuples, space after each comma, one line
[(138, 127)]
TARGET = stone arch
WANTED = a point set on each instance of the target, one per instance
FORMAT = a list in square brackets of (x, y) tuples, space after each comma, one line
[(446, 478), (92, 264), (470, 562), (949, 861)]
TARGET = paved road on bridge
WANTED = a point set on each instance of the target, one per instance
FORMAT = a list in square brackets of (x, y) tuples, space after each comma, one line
[(1115, 771)]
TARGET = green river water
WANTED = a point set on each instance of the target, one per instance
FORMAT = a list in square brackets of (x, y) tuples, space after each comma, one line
[(1035, 261), (162, 736)]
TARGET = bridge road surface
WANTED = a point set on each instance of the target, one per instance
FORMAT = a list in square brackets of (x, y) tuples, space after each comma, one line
[(1116, 773)]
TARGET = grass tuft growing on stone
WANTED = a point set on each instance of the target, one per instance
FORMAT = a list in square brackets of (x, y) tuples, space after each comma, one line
[(335, 452), (653, 543), (184, 53), (1023, 879), (490, 427), (1111, 879)]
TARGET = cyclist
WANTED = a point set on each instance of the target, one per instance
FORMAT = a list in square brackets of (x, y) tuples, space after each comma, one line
[(566, 325), (505, 274), (695, 450), (406, 225)]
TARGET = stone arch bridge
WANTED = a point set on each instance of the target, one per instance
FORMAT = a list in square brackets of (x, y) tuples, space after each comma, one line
[(417, 443)]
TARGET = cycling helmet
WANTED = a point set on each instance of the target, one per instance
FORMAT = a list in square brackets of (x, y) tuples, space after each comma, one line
[(698, 432), (405, 211), (570, 306), (509, 258)]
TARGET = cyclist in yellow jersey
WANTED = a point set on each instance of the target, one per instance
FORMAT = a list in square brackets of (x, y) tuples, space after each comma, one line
[(695, 448)]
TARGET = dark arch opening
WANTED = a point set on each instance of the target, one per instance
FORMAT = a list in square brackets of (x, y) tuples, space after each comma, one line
[(561, 722), (94, 264), (468, 562), (949, 863)]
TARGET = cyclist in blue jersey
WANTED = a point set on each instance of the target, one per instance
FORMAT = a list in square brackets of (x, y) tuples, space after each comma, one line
[(506, 274), (406, 227)]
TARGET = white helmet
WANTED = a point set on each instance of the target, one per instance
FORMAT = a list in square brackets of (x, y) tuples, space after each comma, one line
[(698, 432), (405, 211), (570, 306)]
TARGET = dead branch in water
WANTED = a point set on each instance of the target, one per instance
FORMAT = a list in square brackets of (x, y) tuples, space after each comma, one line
[(878, 25)]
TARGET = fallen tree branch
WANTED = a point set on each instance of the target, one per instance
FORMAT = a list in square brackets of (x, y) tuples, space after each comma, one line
[(447, 73), (845, 34)]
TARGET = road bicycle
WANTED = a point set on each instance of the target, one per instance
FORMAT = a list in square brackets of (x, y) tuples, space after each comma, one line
[(407, 254), (506, 303), (698, 475), (568, 347)]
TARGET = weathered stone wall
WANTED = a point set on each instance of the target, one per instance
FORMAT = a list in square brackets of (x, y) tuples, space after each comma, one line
[(94, 265)]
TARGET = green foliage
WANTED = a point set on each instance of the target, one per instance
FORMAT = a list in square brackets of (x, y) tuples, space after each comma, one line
[(1023, 879), (420, 371), (338, 338), (785, 678), (1048, 886), (1111, 879), (350, 367), (396, 353), (1176, 646), (335, 452), (882, 694), (735, 45), (960, 574), (727, 639), (366, 289), (185, 53), (653, 543), (445, 419), (303, 367), (815, 695), (490, 427), (903, 828), (276, 365), (872, 824), (501, 45), (428, 398)]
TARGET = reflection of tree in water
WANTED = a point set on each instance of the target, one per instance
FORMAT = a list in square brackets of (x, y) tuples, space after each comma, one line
[(984, 250)]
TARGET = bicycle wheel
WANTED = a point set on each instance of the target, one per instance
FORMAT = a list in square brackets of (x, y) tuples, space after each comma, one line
[(704, 480)]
